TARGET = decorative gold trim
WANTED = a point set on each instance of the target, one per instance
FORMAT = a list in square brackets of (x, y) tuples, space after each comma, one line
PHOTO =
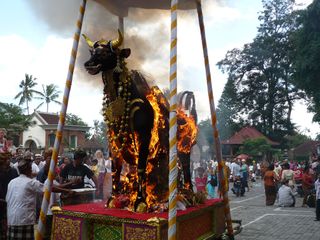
[(106, 218)]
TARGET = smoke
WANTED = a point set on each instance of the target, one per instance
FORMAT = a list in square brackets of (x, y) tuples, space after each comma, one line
[(147, 33), (60, 17)]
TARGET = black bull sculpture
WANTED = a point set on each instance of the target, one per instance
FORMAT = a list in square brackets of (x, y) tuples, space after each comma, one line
[(129, 115)]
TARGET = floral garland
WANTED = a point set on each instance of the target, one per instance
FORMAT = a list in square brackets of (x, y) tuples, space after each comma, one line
[(116, 108)]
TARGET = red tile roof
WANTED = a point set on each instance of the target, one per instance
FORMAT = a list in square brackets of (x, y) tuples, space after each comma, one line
[(246, 133), (306, 148), (92, 143), (50, 118)]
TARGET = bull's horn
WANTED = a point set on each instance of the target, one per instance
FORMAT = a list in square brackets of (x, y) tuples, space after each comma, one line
[(116, 43), (88, 40), (103, 42)]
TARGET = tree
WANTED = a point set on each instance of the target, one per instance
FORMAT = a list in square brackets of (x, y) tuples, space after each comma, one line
[(100, 132), (306, 56), (262, 71), (27, 90), (13, 119), (295, 140), (229, 120), (72, 119), (258, 147), (49, 94)]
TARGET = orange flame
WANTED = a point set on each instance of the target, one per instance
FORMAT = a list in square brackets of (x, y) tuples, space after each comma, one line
[(158, 121), (187, 131), (155, 98)]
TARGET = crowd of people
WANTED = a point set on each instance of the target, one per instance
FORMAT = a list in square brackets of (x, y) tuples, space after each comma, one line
[(23, 176), (282, 184), (282, 181)]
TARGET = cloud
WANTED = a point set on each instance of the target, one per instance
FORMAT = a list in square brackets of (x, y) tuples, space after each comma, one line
[(18, 55), (49, 64), (147, 33), (303, 119)]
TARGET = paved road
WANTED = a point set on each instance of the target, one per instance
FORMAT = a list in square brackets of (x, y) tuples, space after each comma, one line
[(262, 222)]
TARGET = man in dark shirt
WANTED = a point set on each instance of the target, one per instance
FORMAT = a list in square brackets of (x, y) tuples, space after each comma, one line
[(76, 171), (7, 173)]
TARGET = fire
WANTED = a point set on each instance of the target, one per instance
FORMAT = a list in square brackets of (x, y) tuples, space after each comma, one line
[(187, 131), (129, 176), (158, 123), (156, 99), (129, 181)]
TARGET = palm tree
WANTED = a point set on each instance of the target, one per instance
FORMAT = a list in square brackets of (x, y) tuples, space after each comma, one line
[(49, 94), (27, 92)]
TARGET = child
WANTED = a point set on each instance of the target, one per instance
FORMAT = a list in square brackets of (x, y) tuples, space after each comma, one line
[(211, 184), (201, 180), (94, 167), (317, 188)]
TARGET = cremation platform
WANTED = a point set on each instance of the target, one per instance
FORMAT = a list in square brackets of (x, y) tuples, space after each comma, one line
[(94, 221)]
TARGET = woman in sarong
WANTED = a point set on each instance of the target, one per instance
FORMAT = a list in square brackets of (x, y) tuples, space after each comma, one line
[(270, 180)]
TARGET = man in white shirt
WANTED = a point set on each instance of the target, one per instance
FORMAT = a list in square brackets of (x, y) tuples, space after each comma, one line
[(235, 169), (286, 196), (21, 200), (34, 167), (39, 161)]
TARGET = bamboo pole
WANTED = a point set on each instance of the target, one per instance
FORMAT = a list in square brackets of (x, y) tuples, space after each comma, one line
[(222, 178), (173, 171), (51, 174)]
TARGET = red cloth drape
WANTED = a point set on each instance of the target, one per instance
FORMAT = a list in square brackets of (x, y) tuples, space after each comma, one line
[(98, 208)]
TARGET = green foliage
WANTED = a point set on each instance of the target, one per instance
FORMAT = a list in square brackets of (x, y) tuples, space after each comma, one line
[(256, 147), (50, 93), (228, 119), (100, 132), (262, 72), (306, 57), (295, 140), (27, 91), (72, 119), (13, 119)]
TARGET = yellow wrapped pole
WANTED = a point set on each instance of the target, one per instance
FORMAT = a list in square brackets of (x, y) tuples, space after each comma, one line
[(51, 174), (214, 122), (173, 170)]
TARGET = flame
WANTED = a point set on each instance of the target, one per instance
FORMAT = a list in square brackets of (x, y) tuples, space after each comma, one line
[(128, 178), (187, 132), (158, 123), (156, 99)]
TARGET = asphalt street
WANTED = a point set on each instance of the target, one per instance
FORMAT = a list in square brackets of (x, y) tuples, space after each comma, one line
[(261, 222)]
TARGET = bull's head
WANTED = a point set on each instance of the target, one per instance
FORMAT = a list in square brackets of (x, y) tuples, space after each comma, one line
[(105, 55)]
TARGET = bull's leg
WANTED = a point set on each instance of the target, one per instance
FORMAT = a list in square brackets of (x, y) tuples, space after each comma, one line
[(143, 123), (116, 179), (185, 162)]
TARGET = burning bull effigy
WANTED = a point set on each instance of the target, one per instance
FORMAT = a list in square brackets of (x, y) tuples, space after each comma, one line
[(137, 117)]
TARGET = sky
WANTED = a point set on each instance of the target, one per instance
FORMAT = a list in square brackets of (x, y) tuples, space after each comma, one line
[(36, 38)]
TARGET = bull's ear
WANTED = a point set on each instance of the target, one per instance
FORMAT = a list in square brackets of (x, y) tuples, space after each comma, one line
[(125, 52)]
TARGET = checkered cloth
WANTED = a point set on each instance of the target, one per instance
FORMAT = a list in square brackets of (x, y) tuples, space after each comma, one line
[(3, 229), (25, 232), (3, 220)]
